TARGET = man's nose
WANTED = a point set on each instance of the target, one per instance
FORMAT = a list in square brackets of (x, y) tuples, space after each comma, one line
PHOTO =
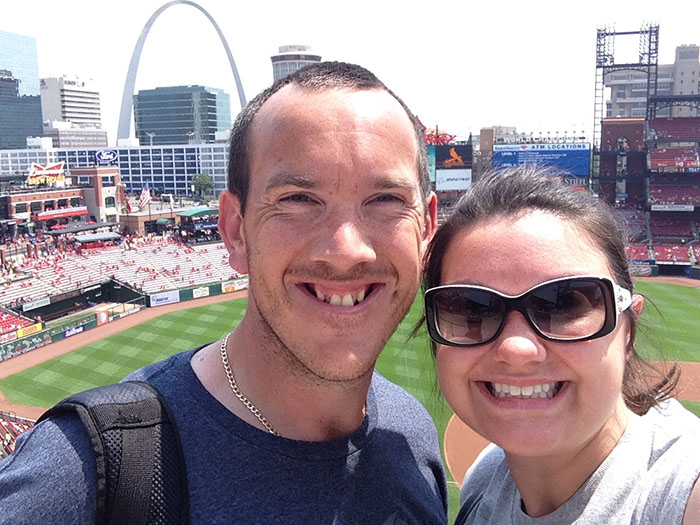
[(343, 243)]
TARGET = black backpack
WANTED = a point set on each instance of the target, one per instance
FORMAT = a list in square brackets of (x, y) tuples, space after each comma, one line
[(141, 473)]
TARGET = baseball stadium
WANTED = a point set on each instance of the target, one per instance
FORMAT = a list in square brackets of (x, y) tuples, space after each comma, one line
[(80, 310)]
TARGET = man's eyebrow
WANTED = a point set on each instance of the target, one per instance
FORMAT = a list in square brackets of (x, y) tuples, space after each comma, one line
[(287, 179), (394, 183)]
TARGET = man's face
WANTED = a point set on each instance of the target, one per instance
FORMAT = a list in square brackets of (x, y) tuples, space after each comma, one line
[(334, 230)]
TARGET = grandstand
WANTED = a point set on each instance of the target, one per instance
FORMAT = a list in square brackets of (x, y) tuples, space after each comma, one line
[(11, 427), (9, 322), (145, 265), (674, 189), (638, 253), (674, 129), (661, 205)]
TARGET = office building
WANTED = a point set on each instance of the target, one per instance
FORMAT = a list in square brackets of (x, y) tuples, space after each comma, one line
[(291, 58), (181, 114), (20, 104), (69, 135), (70, 100), (628, 88), (163, 169)]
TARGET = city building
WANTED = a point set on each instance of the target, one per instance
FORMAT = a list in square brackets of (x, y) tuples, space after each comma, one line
[(291, 58), (181, 114), (51, 197), (628, 88), (20, 103), (163, 169), (67, 135), (70, 100)]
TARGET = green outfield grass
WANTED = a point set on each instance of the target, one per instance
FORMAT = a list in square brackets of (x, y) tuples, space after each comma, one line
[(405, 361), (670, 325), (693, 406)]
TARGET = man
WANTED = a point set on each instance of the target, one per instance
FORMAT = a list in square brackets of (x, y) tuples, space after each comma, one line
[(329, 211)]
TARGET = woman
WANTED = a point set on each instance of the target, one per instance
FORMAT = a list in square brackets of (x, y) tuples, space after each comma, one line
[(530, 307)]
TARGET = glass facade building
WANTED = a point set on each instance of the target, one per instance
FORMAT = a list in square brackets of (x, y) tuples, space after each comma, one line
[(20, 101), (291, 58), (181, 114), (164, 169)]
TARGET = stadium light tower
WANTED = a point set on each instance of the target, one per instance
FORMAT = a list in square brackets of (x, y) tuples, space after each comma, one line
[(605, 64)]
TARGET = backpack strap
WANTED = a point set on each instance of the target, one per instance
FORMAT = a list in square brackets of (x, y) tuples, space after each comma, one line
[(140, 466)]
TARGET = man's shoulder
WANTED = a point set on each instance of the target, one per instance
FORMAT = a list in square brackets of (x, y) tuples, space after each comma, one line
[(386, 392), (168, 368), (398, 407)]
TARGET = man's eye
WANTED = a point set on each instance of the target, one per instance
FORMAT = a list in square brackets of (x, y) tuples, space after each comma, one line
[(296, 197), (389, 198)]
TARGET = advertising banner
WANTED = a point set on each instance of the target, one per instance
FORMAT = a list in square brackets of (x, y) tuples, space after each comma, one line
[(36, 304), (453, 157), (74, 331), (431, 163), (672, 207), (9, 336), (29, 330), (39, 174), (576, 183), (572, 158), (235, 285), (160, 299), (102, 317), (21, 346), (640, 270), (453, 180), (200, 292), (206, 225)]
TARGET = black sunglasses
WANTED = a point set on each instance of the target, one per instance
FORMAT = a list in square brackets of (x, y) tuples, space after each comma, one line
[(567, 309)]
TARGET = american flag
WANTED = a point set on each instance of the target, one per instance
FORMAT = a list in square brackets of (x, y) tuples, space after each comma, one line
[(124, 198), (145, 198)]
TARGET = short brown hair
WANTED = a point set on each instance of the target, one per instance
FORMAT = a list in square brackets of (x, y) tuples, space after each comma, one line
[(323, 75)]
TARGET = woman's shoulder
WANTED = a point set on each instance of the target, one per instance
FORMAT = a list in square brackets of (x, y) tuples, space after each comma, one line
[(659, 463), (485, 483), (671, 428)]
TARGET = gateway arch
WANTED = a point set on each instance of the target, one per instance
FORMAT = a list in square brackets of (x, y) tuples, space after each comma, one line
[(124, 129)]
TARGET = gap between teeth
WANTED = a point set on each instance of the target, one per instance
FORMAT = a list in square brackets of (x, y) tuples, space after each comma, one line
[(542, 391), (345, 300)]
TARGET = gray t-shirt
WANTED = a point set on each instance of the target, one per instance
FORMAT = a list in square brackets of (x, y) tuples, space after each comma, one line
[(646, 479), (388, 471)]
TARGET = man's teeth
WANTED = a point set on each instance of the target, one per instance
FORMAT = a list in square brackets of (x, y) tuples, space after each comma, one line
[(345, 300), (543, 391)]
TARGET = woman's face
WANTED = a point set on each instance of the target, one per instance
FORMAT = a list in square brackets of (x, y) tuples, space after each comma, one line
[(511, 256)]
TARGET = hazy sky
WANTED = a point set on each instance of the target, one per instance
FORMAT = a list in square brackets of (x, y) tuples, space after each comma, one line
[(460, 65)]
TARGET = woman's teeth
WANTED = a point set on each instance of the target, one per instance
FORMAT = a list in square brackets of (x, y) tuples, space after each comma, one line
[(542, 391)]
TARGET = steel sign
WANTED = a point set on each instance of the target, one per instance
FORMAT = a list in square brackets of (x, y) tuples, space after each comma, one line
[(106, 155)]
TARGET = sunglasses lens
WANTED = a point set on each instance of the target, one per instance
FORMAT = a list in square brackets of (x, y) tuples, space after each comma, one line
[(465, 316), (568, 309)]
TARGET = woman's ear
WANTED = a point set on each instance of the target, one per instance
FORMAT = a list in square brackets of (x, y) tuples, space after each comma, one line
[(637, 305), (231, 231)]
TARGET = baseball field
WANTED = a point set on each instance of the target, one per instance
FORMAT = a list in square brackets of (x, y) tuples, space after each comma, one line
[(670, 327)]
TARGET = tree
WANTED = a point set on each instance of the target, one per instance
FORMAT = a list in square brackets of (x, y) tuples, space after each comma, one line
[(202, 183)]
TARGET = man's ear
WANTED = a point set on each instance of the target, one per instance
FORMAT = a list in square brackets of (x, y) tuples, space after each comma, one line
[(231, 231), (430, 220)]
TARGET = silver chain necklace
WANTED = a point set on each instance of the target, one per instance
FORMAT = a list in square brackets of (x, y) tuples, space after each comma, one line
[(237, 391)]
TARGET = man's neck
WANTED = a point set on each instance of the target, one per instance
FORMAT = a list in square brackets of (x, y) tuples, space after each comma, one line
[(297, 405)]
